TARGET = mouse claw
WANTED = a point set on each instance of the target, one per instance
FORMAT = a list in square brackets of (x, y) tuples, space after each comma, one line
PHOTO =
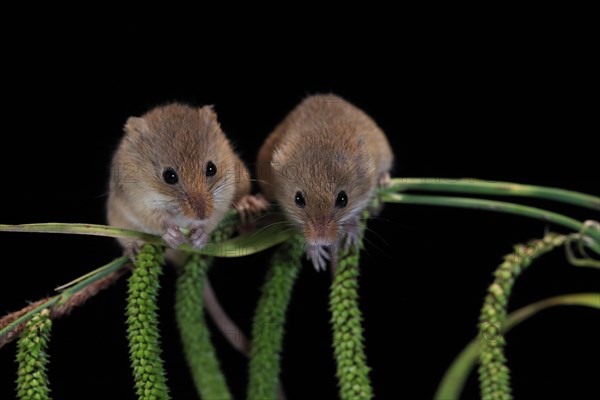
[(384, 180), (173, 237), (132, 249), (198, 238), (250, 205), (319, 255)]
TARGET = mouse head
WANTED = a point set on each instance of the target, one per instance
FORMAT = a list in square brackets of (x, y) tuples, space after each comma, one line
[(321, 186), (184, 163)]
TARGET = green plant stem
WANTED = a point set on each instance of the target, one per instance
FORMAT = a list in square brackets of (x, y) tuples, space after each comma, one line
[(195, 335), (269, 320), (346, 318), (32, 358), (473, 186), (142, 325), (61, 303), (456, 375), (497, 206), (82, 229), (494, 377), (189, 309), (239, 246)]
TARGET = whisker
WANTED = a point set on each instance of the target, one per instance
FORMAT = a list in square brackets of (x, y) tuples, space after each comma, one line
[(377, 235), (379, 249), (263, 228)]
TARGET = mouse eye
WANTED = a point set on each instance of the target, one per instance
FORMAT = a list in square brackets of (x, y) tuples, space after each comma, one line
[(211, 169), (342, 200), (170, 176), (299, 199)]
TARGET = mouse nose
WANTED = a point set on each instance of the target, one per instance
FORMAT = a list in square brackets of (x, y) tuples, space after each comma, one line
[(323, 232), (199, 205)]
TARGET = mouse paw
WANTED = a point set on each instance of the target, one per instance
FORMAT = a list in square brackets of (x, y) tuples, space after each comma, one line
[(318, 255), (384, 180), (132, 249), (250, 205), (198, 238), (352, 234), (174, 237)]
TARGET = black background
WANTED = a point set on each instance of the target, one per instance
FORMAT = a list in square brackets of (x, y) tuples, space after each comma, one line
[(455, 102)]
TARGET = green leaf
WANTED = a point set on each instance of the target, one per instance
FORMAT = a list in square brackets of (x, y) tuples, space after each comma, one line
[(71, 288), (456, 375), (240, 246), (247, 244), (496, 206), (81, 229), (475, 186)]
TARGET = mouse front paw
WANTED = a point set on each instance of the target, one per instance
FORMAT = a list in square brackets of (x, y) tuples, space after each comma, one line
[(198, 238), (318, 255), (173, 237), (250, 205), (132, 248)]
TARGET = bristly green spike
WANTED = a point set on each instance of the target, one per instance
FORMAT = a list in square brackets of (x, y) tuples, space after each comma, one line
[(195, 335), (142, 325), (346, 318), (269, 320), (456, 375), (494, 379), (198, 348), (32, 357)]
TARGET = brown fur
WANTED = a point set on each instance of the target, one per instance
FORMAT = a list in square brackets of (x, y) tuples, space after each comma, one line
[(325, 145), (185, 139)]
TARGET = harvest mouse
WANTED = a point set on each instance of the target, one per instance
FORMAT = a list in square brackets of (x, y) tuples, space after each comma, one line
[(174, 169), (322, 165)]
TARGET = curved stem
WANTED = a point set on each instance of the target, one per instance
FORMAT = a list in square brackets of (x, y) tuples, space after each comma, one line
[(78, 292), (496, 206), (493, 373), (475, 186), (456, 375)]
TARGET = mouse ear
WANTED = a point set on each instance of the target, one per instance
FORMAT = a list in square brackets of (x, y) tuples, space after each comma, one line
[(277, 159), (136, 126), (208, 117), (209, 111)]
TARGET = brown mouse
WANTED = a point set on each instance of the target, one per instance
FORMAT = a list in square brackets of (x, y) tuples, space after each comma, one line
[(322, 165), (174, 169)]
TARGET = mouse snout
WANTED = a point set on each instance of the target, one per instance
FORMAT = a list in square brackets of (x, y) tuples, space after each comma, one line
[(323, 232), (199, 206)]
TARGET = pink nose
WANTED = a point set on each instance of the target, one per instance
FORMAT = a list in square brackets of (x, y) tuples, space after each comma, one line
[(321, 232), (198, 204)]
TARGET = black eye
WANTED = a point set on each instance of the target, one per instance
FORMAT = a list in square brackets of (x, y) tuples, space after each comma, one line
[(170, 176), (211, 169), (299, 199), (342, 200)]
